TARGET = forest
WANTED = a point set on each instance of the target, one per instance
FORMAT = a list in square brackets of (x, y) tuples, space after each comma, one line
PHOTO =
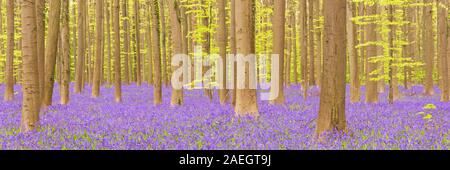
[(225, 74)]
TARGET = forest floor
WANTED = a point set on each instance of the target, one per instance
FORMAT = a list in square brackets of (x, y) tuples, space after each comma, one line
[(413, 122)]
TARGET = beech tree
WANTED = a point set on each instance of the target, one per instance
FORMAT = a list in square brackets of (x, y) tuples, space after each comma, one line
[(233, 47), (65, 58), (222, 43), (245, 98), (428, 45), (117, 63), (304, 45), (98, 55), (30, 83), (352, 53), (81, 46), (175, 22), (51, 51), (40, 26), (371, 52), (9, 70), (443, 37), (157, 94), (278, 42), (126, 42), (332, 96), (138, 43)]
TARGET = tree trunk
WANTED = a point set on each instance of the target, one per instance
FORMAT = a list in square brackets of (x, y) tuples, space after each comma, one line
[(126, 28), (362, 40), (409, 29), (371, 51), (381, 86), (50, 53), (312, 55), (74, 38), (391, 55), (150, 52), (442, 50), (157, 95), (117, 63), (233, 48), (184, 37), (192, 25), (30, 83), (448, 50), (98, 53), (108, 34), (318, 12), (294, 58), (428, 46), (138, 42), (206, 49), (81, 46), (352, 53), (246, 102), (294, 45), (2, 51), (222, 43), (149, 45), (278, 48), (175, 22), (304, 45), (288, 45), (162, 33), (40, 25), (65, 58), (9, 70), (332, 97)]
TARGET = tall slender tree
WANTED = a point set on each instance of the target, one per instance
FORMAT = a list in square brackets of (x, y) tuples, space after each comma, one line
[(428, 45), (362, 40), (318, 13), (65, 58), (108, 35), (98, 55), (175, 22), (246, 103), (149, 44), (81, 46), (352, 53), (448, 48), (163, 42), (304, 45), (206, 47), (442, 50), (117, 63), (413, 45), (40, 21), (294, 44), (392, 68), (371, 52), (157, 94), (126, 42), (9, 71), (233, 47), (138, 43), (312, 53), (51, 51), (279, 20), (30, 82), (381, 83), (222, 43), (332, 97)]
